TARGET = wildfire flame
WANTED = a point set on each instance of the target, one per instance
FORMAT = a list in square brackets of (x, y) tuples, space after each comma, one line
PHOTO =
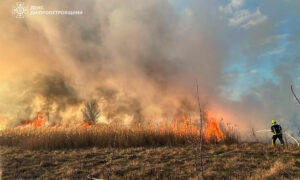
[(180, 126), (212, 129), (88, 123), (186, 126), (37, 122)]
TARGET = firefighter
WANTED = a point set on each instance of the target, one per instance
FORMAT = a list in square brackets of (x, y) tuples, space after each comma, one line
[(277, 133)]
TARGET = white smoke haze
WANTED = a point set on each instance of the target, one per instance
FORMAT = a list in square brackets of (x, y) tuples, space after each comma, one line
[(139, 59)]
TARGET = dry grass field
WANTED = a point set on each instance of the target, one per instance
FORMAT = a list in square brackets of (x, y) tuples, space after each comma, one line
[(106, 152), (50, 138), (236, 161)]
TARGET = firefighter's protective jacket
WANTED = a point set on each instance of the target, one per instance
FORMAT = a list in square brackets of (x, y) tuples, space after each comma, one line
[(276, 129)]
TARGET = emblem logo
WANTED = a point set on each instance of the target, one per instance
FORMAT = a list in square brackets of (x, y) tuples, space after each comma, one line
[(19, 10)]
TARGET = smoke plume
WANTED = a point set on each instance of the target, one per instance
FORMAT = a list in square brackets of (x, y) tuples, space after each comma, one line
[(139, 59)]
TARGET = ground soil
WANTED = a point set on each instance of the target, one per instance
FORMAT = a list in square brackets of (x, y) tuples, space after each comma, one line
[(237, 161)]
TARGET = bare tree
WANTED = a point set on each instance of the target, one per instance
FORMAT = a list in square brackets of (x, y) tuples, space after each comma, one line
[(292, 89), (48, 108), (91, 111), (201, 115)]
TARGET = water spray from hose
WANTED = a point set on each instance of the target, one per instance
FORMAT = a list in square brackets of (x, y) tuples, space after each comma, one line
[(284, 133)]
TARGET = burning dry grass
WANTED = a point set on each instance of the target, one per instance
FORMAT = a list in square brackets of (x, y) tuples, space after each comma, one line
[(103, 136)]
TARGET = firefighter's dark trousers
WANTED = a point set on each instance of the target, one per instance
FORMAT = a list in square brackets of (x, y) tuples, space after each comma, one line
[(274, 138)]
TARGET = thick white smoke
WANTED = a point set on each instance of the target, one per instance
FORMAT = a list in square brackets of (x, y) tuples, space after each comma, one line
[(137, 58)]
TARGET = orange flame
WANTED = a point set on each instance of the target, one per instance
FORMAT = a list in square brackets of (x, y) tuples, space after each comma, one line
[(57, 125), (186, 126), (179, 126), (88, 123), (212, 130), (37, 122)]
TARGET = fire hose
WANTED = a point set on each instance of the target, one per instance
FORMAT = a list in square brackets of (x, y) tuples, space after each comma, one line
[(284, 133)]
